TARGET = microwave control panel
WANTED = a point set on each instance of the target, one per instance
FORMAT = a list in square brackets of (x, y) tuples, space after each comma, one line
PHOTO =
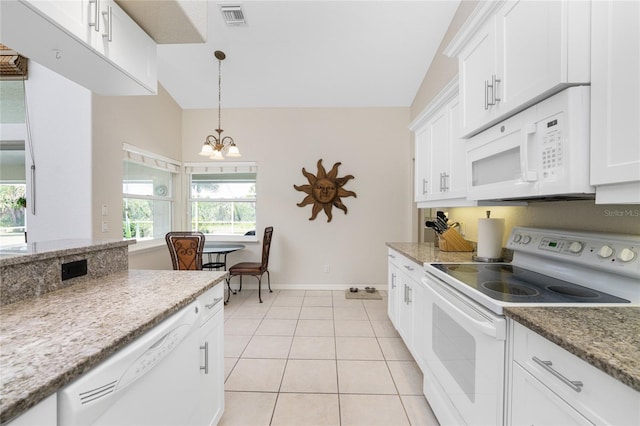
[(552, 153)]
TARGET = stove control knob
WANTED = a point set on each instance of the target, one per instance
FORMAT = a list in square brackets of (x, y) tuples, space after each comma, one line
[(517, 238), (526, 239), (605, 252), (626, 255), (575, 247)]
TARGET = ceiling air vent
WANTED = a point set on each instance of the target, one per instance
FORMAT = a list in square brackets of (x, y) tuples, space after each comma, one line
[(233, 15)]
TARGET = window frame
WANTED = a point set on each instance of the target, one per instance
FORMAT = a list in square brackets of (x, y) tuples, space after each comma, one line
[(219, 168), (152, 160)]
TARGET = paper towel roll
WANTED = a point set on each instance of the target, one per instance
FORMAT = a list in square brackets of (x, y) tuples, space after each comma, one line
[(490, 238)]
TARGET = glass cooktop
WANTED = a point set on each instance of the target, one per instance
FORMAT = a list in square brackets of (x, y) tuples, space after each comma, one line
[(507, 283)]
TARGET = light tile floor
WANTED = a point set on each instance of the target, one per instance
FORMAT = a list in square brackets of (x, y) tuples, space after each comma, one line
[(316, 358)]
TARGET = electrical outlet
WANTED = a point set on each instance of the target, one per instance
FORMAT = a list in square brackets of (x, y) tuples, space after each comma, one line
[(325, 269)]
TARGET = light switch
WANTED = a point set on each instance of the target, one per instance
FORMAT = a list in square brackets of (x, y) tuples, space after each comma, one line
[(105, 210), (105, 226)]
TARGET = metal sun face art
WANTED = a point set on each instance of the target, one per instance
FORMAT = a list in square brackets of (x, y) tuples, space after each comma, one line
[(324, 190)]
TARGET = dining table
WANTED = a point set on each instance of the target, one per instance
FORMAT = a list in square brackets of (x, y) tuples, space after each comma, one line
[(220, 250)]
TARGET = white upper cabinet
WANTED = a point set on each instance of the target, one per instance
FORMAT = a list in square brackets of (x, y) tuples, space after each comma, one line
[(512, 54), (91, 42), (440, 170), (615, 102)]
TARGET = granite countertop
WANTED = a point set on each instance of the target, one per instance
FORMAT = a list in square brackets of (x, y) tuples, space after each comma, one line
[(605, 337), (29, 252), (428, 253), (48, 341)]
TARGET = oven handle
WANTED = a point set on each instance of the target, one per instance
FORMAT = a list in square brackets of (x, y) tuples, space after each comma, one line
[(484, 327)]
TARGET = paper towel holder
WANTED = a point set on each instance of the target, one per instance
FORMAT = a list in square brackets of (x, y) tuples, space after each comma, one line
[(487, 259)]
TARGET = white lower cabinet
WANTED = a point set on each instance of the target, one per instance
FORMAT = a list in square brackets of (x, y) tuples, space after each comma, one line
[(393, 289), (212, 356), (407, 302), (551, 386), (212, 370)]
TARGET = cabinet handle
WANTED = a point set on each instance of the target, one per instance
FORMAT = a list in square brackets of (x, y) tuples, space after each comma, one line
[(391, 256), (96, 15), (408, 268), (409, 294), (405, 294), (206, 358), (109, 15), (446, 181), (573, 384), (215, 302), (424, 186), (494, 90), (486, 94), (393, 280)]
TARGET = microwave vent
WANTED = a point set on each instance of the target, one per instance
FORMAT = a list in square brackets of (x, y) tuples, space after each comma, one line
[(233, 14)]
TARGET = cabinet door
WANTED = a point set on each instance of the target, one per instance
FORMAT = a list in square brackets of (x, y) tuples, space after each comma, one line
[(615, 95), (439, 134), (405, 310), (422, 180), (126, 45), (393, 290), (419, 323), (534, 404), (456, 181), (530, 49), (74, 16), (212, 370), (477, 64)]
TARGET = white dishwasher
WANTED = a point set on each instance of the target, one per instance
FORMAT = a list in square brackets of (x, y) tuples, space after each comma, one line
[(152, 381)]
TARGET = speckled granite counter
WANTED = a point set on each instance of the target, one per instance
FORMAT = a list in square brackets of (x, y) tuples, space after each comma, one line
[(428, 253), (48, 341), (607, 338)]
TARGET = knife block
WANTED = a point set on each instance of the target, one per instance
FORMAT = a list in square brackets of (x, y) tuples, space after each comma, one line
[(451, 240)]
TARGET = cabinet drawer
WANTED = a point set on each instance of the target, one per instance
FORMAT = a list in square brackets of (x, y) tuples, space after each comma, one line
[(600, 398), (408, 267), (211, 301)]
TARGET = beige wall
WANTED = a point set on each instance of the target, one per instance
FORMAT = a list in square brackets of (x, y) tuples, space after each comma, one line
[(372, 144), (153, 123)]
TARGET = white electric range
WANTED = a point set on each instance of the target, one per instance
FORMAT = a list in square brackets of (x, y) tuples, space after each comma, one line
[(466, 337)]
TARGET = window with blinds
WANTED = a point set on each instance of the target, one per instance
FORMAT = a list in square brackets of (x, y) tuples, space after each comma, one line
[(147, 194), (223, 198)]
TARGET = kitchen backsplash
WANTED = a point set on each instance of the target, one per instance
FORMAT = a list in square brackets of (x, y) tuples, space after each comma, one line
[(38, 269), (583, 215)]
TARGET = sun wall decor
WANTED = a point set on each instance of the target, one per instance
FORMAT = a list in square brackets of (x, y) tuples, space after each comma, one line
[(324, 190)]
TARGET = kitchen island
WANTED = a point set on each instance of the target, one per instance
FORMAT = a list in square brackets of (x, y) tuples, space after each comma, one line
[(48, 341)]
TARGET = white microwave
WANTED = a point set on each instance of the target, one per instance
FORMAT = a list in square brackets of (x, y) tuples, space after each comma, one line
[(541, 152)]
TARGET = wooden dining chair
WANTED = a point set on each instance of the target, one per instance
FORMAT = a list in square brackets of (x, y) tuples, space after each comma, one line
[(185, 249), (256, 269)]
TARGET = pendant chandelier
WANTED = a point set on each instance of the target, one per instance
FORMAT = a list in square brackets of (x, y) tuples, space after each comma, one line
[(213, 146)]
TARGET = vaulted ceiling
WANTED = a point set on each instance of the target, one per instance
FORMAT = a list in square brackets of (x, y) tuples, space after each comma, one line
[(309, 54)]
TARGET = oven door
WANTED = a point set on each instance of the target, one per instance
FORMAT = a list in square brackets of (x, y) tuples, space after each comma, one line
[(464, 357)]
